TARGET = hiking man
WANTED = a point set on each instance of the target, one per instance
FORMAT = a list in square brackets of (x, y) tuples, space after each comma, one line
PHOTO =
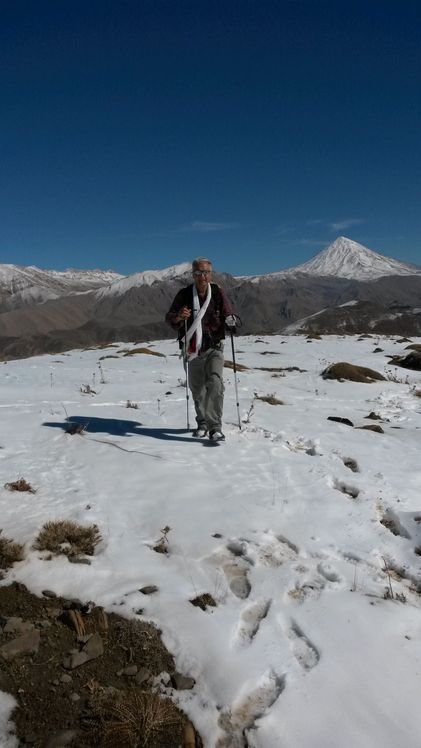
[(203, 309)]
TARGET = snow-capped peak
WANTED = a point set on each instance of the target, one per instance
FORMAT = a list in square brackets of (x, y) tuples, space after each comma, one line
[(345, 258), (145, 278)]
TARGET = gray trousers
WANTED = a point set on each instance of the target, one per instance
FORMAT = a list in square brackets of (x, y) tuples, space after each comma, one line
[(207, 387)]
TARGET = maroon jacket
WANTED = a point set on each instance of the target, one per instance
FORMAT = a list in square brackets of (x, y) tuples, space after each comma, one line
[(213, 323)]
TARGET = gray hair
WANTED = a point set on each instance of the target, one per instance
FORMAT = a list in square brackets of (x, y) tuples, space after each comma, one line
[(196, 262)]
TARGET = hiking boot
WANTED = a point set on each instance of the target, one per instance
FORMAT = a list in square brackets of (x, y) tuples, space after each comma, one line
[(216, 435), (200, 432)]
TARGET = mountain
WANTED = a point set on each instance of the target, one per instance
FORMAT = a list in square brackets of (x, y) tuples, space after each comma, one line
[(20, 286), (345, 258), (88, 309)]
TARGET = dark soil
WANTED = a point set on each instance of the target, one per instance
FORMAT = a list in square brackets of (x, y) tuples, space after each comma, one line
[(49, 704)]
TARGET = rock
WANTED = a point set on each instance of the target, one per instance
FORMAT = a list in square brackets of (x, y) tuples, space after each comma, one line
[(49, 593), (373, 416), (79, 560), (372, 427), (129, 670), (182, 682), (338, 419), (26, 644), (142, 675), (15, 625), (163, 679), (74, 604), (74, 697), (92, 649), (61, 739), (149, 589), (66, 678)]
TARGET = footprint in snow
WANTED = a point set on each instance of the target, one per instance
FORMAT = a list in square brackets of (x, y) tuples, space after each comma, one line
[(249, 623), (247, 709), (235, 568), (302, 648), (270, 549)]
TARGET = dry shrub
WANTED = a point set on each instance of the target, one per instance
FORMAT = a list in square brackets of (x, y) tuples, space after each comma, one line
[(202, 601), (147, 351), (230, 365), (137, 719), (10, 552), (270, 399), (280, 368), (19, 485), (110, 355), (69, 538), (344, 371)]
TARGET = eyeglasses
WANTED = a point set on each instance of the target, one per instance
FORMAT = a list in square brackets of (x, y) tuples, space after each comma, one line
[(199, 273)]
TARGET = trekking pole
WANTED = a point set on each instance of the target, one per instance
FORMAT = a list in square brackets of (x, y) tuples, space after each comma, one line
[(237, 323), (186, 367)]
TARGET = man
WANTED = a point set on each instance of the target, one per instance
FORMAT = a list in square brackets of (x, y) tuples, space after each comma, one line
[(203, 308)]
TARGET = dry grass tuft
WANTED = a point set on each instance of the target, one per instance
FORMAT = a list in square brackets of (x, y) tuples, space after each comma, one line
[(19, 485), (417, 393), (69, 538), (230, 365), (139, 719), (147, 351), (344, 371), (270, 399), (10, 552), (202, 601)]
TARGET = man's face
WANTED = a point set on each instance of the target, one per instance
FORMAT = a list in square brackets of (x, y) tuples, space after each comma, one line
[(202, 276)]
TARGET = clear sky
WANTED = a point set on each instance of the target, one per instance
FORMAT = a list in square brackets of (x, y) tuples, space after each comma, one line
[(137, 134)]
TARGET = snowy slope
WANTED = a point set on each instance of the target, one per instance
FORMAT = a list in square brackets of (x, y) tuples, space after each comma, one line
[(20, 285), (146, 278), (302, 650)]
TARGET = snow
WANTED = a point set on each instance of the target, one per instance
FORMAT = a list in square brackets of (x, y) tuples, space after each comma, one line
[(146, 278), (314, 656)]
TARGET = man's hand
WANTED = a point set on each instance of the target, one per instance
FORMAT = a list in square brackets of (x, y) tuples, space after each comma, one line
[(183, 314), (231, 321)]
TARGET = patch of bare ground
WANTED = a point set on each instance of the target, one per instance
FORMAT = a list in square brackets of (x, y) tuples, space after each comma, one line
[(411, 361), (371, 427), (110, 355), (270, 399), (414, 347), (20, 485), (280, 368), (230, 365), (343, 371), (203, 601), (108, 701), (146, 351), (68, 538)]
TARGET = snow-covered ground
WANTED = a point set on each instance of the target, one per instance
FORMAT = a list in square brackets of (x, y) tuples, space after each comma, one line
[(302, 650)]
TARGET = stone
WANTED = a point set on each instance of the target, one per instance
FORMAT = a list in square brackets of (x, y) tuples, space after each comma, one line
[(27, 644), (182, 682), (49, 593), (79, 560), (142, 675), (91, 650), (149, 589), (74, 697), (66, 678), (15, 625)]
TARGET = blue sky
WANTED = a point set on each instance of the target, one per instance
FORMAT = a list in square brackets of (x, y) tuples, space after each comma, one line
[(137, 134)]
